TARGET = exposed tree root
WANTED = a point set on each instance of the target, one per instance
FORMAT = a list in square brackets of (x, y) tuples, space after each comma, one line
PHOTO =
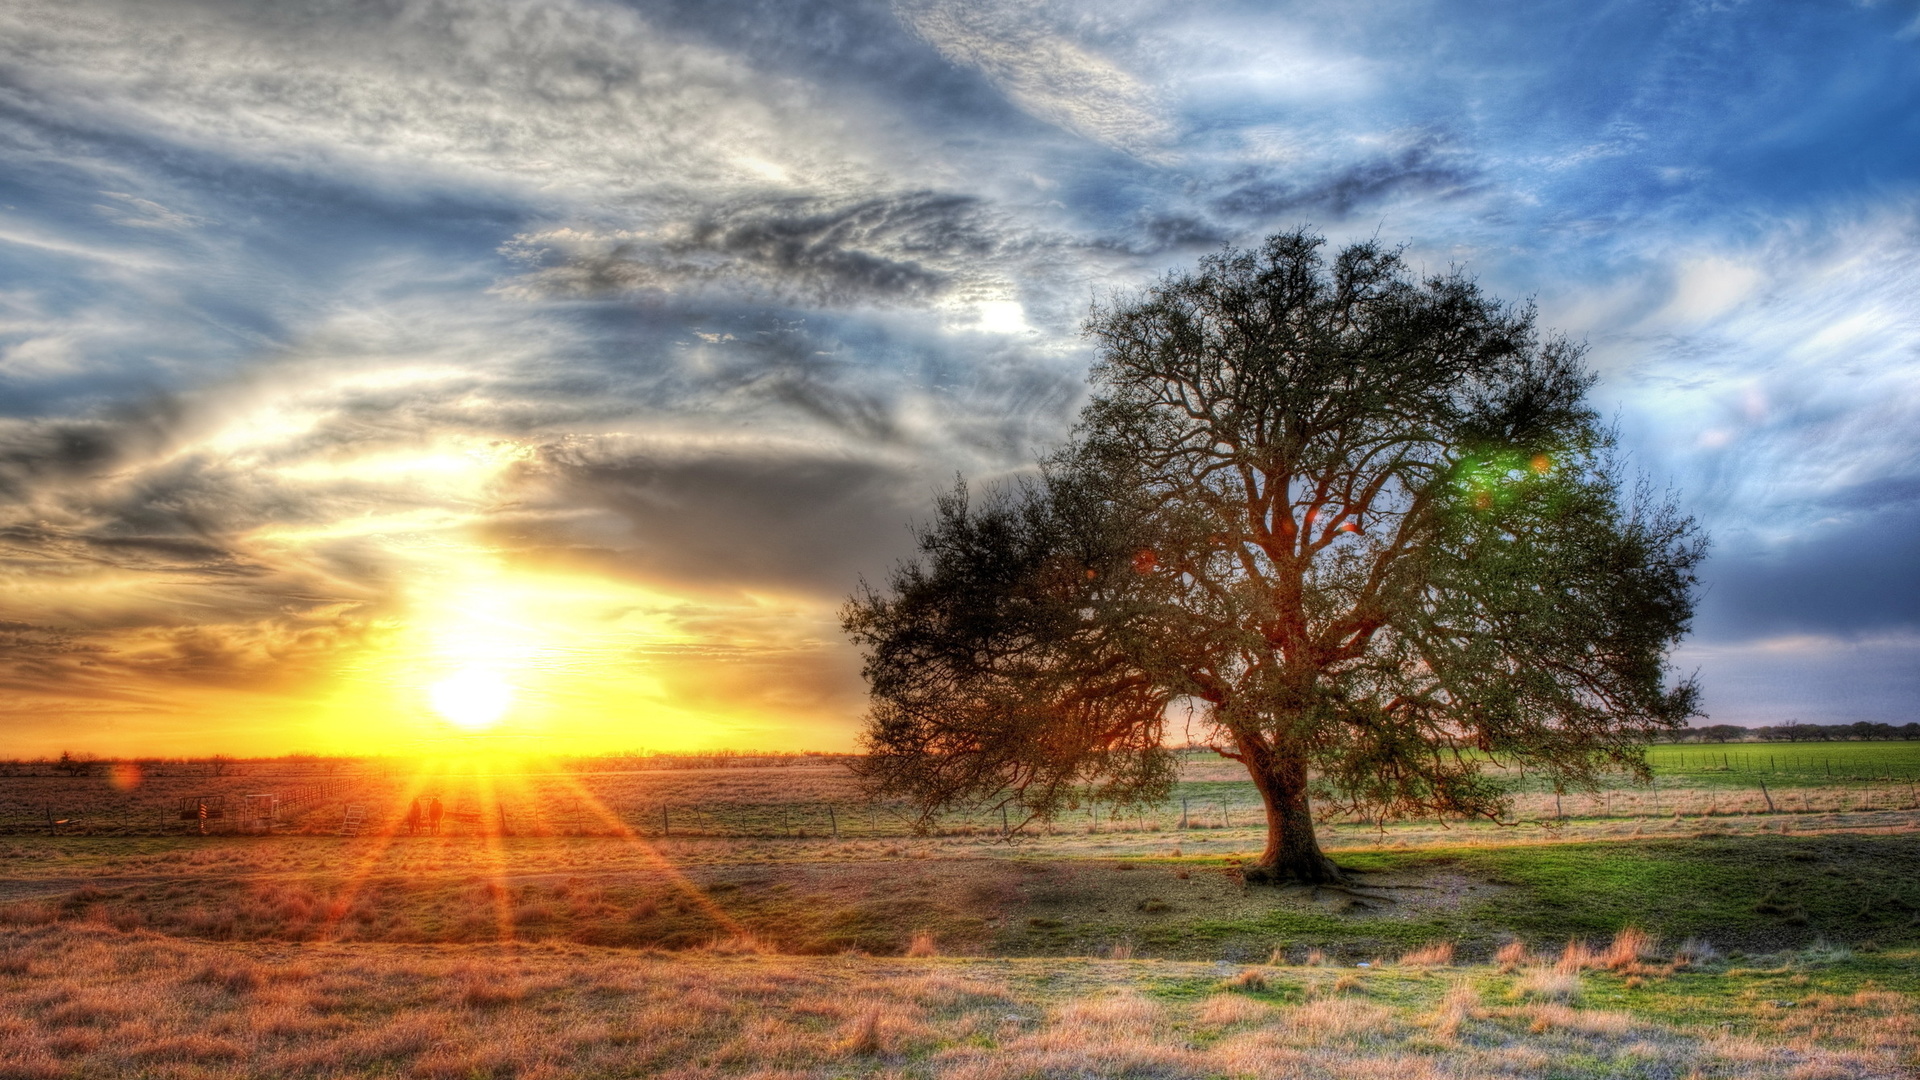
[(1358, 896)]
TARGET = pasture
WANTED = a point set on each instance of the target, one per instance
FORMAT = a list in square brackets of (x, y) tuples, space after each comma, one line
[(817, 796), (1708, 938)]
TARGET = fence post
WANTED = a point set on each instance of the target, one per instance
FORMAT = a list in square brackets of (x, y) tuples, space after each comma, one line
[(665, 830), (1183, 812), (833, 819), (1765, 795)]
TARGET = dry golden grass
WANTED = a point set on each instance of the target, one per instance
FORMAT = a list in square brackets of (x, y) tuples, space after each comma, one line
[(1555, 983), (87, 1000), (1511, 955), (1433, 954), (1250, 980)]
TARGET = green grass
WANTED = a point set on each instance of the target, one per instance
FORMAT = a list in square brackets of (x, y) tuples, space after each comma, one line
[(1701, 766), (1724, 993), (1749, 892), (1746, 893), (1786, 764)]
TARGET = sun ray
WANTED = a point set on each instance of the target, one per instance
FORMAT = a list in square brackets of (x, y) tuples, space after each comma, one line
[(634, 840), (370, 858), (496, 845)]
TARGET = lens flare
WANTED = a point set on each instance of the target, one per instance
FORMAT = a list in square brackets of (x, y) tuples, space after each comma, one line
[(124, 775)]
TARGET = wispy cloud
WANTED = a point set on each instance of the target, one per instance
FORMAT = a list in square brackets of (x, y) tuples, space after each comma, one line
[(319, 326), (1041, 66)]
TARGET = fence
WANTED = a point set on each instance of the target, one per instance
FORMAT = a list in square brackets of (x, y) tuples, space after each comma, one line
[(1218, 806), (204, 813), (848, 820)]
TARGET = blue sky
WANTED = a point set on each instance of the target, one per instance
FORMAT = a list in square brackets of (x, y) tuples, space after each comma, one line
[(301, 306)]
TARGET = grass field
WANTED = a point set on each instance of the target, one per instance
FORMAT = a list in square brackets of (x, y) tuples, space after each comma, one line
[(87, 1001), (1737, 944), (820, 797)]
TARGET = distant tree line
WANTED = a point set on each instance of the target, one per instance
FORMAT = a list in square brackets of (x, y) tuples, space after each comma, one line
[(1795, 731), (221, 765), (701, 759)]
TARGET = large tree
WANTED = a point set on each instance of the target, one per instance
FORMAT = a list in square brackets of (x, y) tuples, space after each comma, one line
[(1365, 525)]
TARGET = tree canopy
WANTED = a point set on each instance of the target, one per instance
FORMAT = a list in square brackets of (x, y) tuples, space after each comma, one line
[(1367, 524)]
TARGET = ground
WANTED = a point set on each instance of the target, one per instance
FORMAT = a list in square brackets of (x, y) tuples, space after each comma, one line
[(1743, 944)]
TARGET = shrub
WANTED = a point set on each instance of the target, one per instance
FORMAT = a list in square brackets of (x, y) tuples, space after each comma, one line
[(1461, 1003), (1250, 980), (1511, 955), (1225, 1010), (1694, 952), (1544, 983), (1576, 957), (1823, 951), (1433, 954), (1630, 946)]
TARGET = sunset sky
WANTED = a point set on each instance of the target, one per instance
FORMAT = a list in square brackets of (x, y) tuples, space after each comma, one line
[(372, 371)]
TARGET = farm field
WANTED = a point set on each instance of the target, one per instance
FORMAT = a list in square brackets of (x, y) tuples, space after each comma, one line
[(1755, 944), (818, 797)]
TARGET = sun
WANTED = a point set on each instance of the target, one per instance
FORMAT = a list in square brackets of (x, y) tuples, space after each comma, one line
[(473, 698)]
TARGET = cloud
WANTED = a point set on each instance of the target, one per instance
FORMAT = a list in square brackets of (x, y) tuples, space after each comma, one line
[(908, 248), (1425, 166), (1042, 69), (1809, 677), (313, 316), (789, 519), (1855, 573), (135, 212), (1771, 377), (1774, 377), (575, 99)]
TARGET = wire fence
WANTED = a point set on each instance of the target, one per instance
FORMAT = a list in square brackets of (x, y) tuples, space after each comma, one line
[(338, 805)]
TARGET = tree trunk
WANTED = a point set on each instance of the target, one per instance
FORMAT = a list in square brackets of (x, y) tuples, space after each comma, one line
[(1293, 851)]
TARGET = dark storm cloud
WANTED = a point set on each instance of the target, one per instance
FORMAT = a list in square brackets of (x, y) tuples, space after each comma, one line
[(796, 522), (911, 247), (1164, 231), (1846, 579), (172, 555), (46, 452), (274, 654), (1429, 167)]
